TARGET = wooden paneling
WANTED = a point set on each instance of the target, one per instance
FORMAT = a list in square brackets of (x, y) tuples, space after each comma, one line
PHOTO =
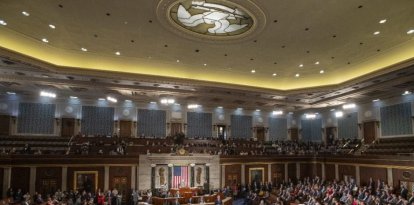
[(278, 173), (346, 170), (20, 178), (329, 172), (294, 133), (260, 134), (71, 173), (292, 171), (68, 127), (125, 128), (310, 170), (402, 175), (375, 172), (5, 125), (48, 174), (256, 166), (369, 132), (232, 174), (120, 178)]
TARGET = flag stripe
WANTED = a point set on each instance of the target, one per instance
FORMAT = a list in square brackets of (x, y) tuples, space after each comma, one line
[(180, 175)]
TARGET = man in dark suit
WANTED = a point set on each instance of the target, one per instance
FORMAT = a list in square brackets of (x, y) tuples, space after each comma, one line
[(404, 192)]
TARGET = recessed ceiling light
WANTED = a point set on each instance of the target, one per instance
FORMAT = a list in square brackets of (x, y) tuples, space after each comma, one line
[(52, 26), (317, 63), (45, 40), (322, 71), (25, 13), (406, 92), (178, 60), (376, 100), (253, 71), (117, 53), (301, 65), (84, 49), (205, 64), (297, 75), (73, 97), (2, 22), (274, 74), (383, 21), (47, 94), (11, 93), (408, 32), (376, 32)]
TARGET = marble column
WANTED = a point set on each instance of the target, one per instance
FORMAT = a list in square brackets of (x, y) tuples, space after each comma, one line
[(6, 180), (32, 181), (64, 178), (323, 171), (269, 172), (286, 172), (390, 179), (133, 176), (297, 170), (223, 177), (106, 178), (357, 175), (243, 174), (336, 172)]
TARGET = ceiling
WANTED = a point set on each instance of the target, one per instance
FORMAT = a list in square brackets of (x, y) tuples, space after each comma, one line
[(158, 59)]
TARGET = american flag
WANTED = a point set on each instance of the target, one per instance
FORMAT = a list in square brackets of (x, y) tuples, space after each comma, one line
[(180, 176)]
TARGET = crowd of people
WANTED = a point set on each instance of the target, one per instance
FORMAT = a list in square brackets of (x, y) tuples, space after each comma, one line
[(315, 191), (123, 146)]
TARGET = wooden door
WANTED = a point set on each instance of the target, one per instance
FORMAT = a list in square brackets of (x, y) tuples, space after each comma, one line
[(260, 134), (294, 134), (175, 128), (49, 186), (125, 128), (121, 184), (68, 127), (369, 132), (5, 125)]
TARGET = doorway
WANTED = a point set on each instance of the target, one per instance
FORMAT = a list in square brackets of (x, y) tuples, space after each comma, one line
[(369, 132), (68, 127), (176, 128), (221, 132), (125, 128), (260, 134), (294, 134), (330, 135)]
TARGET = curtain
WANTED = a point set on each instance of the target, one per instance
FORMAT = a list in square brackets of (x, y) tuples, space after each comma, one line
[(348, 126), (277, 128), (36, 118), (396, 120), (241, 126), (151, 123), (97, 120), (199, 124), (312, 130)]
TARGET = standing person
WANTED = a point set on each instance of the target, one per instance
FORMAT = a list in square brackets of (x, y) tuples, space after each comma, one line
[(135, 197), (100, 198)]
